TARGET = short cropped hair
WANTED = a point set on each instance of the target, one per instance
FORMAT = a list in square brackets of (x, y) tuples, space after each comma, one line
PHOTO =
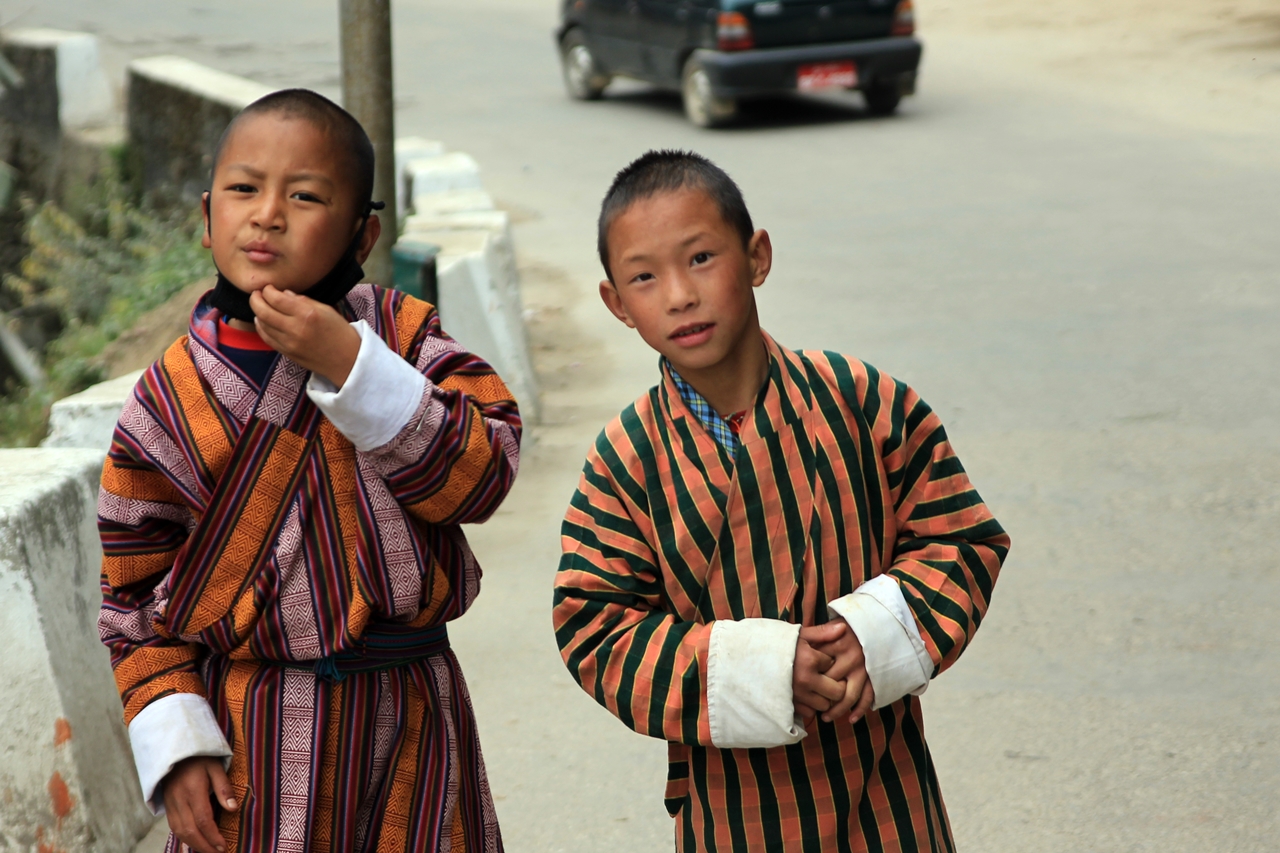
[(333, 121), (667, 171)]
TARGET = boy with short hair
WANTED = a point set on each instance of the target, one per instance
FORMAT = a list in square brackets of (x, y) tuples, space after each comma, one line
[(770, 554), (280, 516)]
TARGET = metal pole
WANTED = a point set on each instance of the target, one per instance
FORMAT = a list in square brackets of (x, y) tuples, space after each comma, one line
[(367, 93)]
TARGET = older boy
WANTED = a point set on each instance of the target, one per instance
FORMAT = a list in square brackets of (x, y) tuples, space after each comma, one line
[(770, 554), (279, 515)]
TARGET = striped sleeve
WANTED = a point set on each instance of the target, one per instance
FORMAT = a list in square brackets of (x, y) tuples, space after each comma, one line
[(142, 522), (949, 546), (457, 456), (642, 663)]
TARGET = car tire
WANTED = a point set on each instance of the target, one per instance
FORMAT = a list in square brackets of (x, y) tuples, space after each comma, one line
[(583, 79), (703, 107), (882, 97)]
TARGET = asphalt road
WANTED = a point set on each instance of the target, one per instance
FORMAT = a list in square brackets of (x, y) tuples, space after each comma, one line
[(1086, 293)]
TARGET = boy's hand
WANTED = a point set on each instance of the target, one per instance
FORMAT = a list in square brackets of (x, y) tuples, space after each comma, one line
[(308, 332), (813, 690), (848, 666), (186, 802)]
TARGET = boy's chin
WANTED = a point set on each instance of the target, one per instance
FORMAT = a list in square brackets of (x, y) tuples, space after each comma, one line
[(695, 360)]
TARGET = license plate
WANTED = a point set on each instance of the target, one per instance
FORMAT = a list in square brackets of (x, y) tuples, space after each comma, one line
[(826, 75)]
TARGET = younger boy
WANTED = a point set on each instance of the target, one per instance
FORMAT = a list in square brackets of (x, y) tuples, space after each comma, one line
[(279, 515), (770, 554)]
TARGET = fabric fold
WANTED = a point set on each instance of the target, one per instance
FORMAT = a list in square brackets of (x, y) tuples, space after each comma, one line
[(170, 730), (749, 684), (897, 661), (379, 397)]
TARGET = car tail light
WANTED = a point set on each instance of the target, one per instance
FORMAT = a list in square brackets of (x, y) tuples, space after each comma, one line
[(733, 32), (904, 19)]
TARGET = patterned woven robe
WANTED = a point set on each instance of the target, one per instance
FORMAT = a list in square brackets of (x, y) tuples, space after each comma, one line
[(842, 475), (241, 527)]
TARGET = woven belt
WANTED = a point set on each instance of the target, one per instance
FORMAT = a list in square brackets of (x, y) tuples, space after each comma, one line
[(382, 647)]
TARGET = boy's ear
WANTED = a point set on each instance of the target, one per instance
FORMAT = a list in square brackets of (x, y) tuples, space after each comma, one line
[(612, 301), (760, 252), (206, 238), (372, 231)]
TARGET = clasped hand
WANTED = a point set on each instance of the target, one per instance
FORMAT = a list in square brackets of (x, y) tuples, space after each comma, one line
[(830, 674)]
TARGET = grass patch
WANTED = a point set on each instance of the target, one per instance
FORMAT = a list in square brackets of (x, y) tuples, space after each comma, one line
[(86, 279)]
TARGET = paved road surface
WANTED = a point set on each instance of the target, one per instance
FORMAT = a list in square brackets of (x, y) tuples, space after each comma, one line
[(1089, 297)]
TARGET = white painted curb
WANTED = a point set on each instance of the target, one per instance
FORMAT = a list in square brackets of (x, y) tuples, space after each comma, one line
[(200, 80), (88, 419), (67, 780), (479, 284), (84, 98)]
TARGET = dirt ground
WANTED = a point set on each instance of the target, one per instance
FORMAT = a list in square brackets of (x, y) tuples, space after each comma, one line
[(155, 330), (1209, 63)]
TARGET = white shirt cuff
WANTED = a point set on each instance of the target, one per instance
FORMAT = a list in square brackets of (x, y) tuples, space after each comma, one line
[(750, 701), (897, 661), (169, 730), (379, 397)]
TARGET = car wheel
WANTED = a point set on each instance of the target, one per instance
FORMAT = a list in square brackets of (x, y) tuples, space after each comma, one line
[(882, 97), (582, 76), (703, 107)]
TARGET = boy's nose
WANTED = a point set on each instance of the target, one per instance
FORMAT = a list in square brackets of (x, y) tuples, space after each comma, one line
[(681, 294), (269, 214)]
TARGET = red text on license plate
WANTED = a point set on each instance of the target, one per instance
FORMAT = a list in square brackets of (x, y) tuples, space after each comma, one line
[(826, 75)]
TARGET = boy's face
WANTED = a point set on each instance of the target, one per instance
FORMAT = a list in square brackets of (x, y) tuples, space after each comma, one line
[(283, 205), (683, 279)]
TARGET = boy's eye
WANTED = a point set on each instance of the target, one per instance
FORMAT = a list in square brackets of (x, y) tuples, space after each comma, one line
[(701, 258), (644, 276), (305, 196), (240, 188)]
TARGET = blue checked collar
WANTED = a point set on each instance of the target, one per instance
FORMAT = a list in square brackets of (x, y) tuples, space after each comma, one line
[(709, 417)]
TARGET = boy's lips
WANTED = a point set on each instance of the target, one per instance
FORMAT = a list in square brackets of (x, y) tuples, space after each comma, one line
[(693, 334), (260, 252)]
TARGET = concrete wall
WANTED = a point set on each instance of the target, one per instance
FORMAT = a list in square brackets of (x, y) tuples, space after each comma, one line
[(88, 419), (479, 283), (176, 113), (64, 94), (67, 780)]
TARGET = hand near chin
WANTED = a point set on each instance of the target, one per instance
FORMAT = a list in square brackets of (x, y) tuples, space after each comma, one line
[(307, 332)]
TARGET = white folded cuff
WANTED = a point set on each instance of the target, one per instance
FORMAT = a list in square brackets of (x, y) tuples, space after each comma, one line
[(897, 661), (750, 700), (169, 730), (379, 397)]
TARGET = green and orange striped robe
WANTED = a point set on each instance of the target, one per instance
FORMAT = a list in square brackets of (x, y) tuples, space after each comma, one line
[(842, 474)]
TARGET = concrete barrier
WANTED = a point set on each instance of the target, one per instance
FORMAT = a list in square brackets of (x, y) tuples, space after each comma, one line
[(88, 419), (67, 780), (63, 85), (408, 149), (176, 113), (62, 91), (479, 283)]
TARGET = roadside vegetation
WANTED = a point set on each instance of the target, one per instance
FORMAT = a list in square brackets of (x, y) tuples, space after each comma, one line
[(84, 279)]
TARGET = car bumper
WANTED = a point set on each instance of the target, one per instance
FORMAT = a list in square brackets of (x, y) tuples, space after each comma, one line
[(768, 70)]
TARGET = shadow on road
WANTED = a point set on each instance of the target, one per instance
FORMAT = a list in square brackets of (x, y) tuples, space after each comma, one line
[(762, 114)]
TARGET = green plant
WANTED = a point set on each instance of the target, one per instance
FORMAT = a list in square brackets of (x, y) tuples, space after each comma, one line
[(84, 281)]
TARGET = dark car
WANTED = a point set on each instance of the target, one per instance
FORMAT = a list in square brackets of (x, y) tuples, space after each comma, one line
[(719, 52)]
